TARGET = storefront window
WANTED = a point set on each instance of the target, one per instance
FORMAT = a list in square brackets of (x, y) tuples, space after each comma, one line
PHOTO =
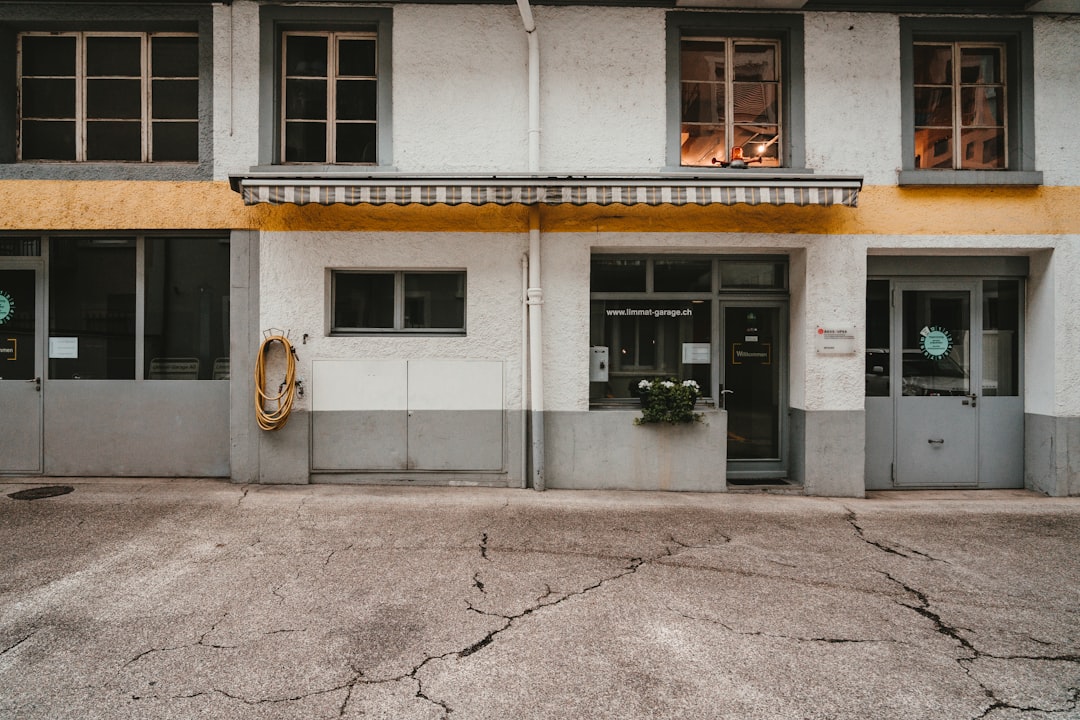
[(186, 332), (1001, 338), (92, 308), (651, 339), (95, 292)]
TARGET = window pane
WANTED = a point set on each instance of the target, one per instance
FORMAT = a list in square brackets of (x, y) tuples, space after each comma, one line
[(363, 301), (20, 247), (933, 64), (305, 55), (878, 312), (983, 149), (702, 102), (933, 106), (982, 106), (356, 57), (435, 300), (980, 65), (682, 275), (92, 298), (174, 57), (114, 56), (356, 100), (48, 140), (114, 141), (175, 142), (617, 274), (305, 142), (42, 56), (51, 98), (305, 99), (702, 60), (176, 99), (355, 143), (114, 99), (754, 102), (759, 141), (701, 144), (187, 309), (751, 275), (645, 340), (755, 62), (1001, 337), (933, 149)]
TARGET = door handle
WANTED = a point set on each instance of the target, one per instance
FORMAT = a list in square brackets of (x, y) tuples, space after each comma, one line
[(939, 441), (37, 383), (972, 398)]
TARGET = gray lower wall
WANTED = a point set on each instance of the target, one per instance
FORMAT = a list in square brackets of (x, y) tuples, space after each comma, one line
[(1052, 454), (604, 449), (156, 428), (828, 452)]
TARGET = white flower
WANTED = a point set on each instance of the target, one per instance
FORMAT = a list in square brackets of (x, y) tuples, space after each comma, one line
[(644, 385), (667, 384), (691, 384)]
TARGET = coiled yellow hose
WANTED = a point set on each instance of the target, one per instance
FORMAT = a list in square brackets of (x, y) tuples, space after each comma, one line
[(272, 411)]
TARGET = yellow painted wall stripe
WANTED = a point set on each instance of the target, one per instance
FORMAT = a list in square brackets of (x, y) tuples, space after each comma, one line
[(56, 205)]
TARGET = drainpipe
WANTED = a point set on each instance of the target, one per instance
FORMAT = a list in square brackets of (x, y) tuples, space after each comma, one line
[(534, 295)]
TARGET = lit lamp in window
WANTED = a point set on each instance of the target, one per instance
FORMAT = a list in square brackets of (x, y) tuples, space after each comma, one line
[(738, 161)]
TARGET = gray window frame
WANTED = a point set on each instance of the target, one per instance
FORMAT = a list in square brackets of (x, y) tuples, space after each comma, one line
[(399, 299), (788, 29), (1016, 35), (274, 22), (48, 17)]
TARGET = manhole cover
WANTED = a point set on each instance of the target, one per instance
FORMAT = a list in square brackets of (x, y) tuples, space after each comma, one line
[(41, 492)]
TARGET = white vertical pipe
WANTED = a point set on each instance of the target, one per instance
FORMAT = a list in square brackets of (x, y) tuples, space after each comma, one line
[(535, 294)]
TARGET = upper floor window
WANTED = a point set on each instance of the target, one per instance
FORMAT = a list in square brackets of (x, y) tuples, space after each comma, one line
[(329, 111), (101, 97), (968, 101), (735, 90), (960, 98), (730, 91)]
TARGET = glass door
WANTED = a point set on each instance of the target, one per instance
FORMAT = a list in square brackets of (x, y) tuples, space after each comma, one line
[(20, 368), (752, 387)]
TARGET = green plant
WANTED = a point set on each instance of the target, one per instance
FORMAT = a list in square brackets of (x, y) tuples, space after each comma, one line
[(666, 400)]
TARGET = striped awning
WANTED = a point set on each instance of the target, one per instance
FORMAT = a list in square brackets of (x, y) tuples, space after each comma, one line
[(799, 190)]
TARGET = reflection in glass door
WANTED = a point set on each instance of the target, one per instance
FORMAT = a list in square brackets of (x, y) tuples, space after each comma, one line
[(20, 370), (752, 388)]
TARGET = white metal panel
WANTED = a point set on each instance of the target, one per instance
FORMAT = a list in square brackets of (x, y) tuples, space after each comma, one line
[(455, 385), (339, 385)]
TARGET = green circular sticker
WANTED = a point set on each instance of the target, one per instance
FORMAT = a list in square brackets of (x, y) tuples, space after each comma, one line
[(7, 307), (936, 341)]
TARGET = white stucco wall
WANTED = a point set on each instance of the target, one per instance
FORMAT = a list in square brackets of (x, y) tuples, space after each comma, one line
[(460, 96), (293, 280), (852, 67), (602, 86), (1057, 98), (236, 87), (460, 89)]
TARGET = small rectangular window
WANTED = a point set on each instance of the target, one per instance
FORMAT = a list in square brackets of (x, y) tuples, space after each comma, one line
[(397, 301), (108, 97)]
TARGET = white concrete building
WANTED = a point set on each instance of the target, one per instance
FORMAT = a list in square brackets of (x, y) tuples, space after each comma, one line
[(481, 227)]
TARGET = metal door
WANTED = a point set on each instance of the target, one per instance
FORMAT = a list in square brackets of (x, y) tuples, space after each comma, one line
[(937, 407), (20, 367)]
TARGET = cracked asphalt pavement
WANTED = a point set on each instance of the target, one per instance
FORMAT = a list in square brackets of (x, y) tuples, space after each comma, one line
[(197, 598)]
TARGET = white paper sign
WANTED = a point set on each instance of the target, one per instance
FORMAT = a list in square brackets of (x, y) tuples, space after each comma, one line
[(696, 353), (61, 348)]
